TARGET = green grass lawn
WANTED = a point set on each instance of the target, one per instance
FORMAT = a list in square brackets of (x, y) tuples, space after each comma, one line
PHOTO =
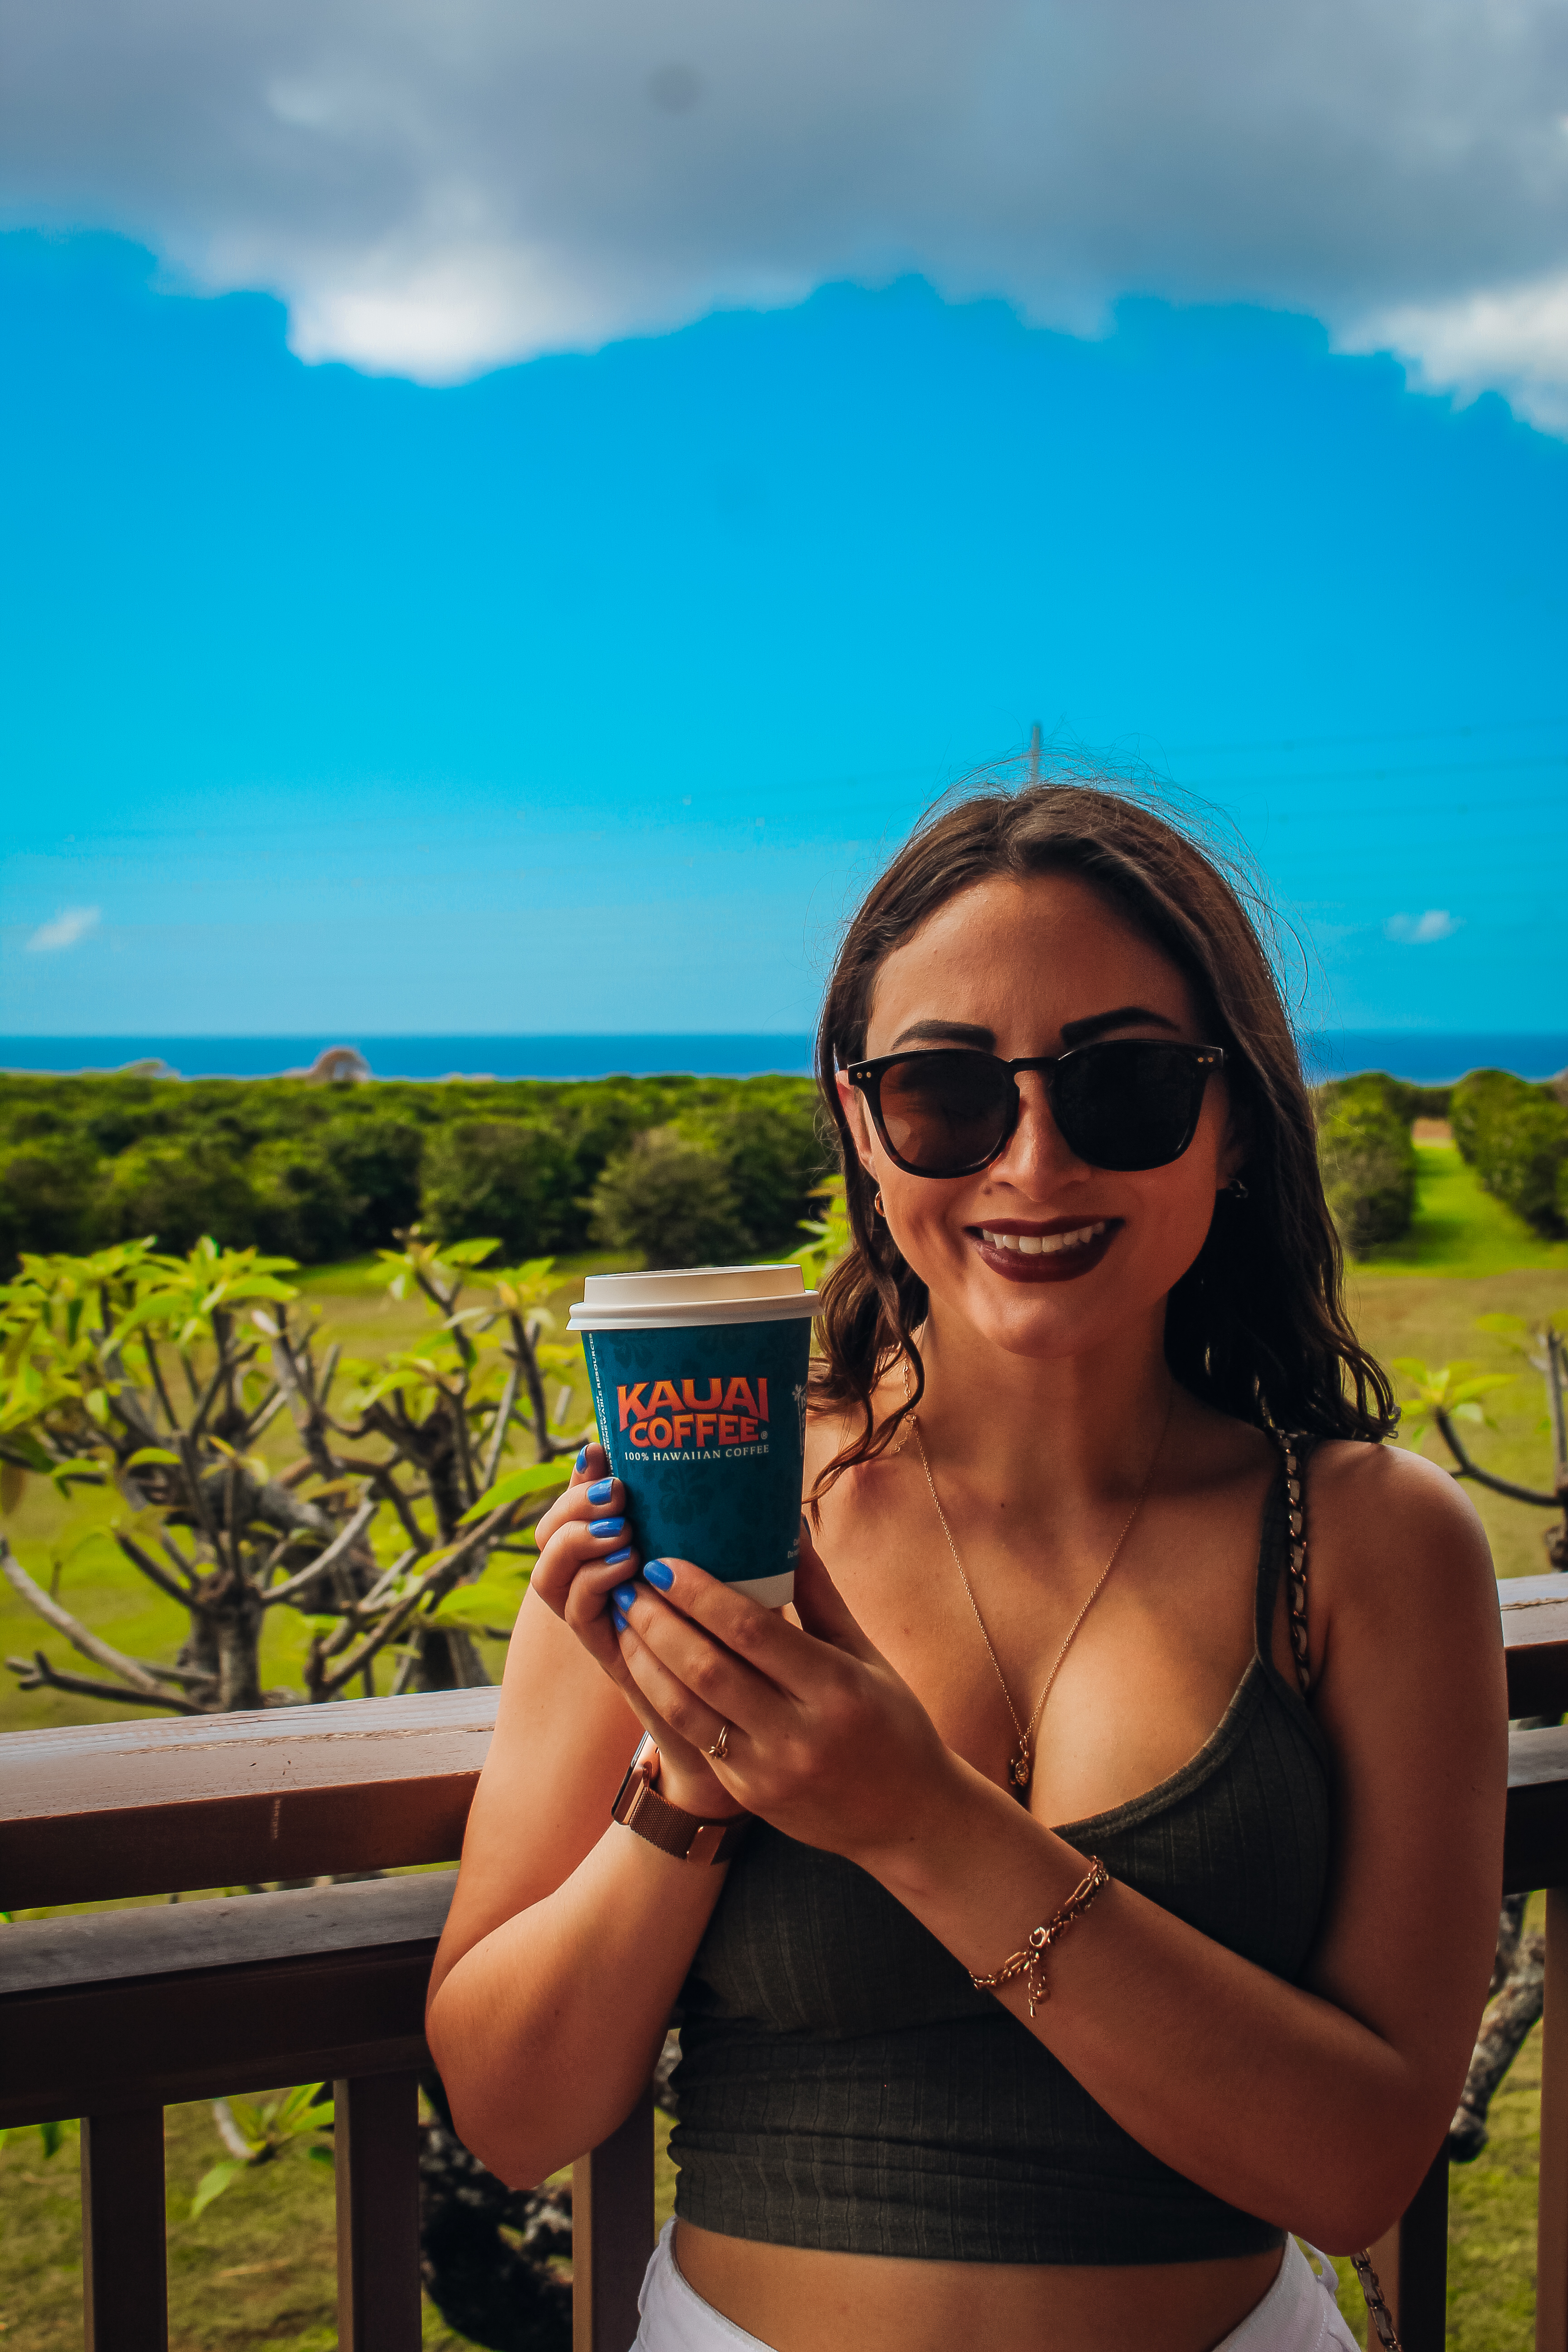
[(1433, 1316), (1458, 1229), (366, 1278)]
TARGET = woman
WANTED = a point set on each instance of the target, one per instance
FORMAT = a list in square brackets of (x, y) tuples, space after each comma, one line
[(1065, 1668)]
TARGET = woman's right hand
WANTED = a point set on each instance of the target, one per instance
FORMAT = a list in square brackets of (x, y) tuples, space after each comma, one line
[(586, 1554)]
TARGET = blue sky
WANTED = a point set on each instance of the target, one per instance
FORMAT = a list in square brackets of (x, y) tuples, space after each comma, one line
[(584, 694)]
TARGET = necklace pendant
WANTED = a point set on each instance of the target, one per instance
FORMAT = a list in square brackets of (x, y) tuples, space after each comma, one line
[(1021, 1768)]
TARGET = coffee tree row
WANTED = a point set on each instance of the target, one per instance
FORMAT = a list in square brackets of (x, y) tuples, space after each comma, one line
[(322, 1170)]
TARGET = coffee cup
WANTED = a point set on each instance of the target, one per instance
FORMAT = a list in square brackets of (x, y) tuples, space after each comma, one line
[(698, 1376)]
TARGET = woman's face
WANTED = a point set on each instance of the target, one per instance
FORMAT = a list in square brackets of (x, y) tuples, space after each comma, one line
[(1036, 967)]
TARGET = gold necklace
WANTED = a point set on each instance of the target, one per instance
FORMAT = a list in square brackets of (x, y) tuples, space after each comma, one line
[(1021, 1763)]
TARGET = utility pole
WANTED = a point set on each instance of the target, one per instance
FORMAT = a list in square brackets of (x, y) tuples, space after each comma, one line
[(1036, 745)]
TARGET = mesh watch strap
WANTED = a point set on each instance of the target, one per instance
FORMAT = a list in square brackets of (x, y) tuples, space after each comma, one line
[(639, 1806)]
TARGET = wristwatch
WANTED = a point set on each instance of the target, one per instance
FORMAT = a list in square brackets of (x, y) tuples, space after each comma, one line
[(639, 1806)]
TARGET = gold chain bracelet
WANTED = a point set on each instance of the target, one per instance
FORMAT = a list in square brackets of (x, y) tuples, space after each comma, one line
[(1030, 1963)]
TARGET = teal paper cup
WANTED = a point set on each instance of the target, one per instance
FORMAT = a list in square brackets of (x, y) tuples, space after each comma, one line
[(698, 1377)]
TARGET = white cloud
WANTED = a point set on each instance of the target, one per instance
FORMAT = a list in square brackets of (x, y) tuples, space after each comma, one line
[(1420, 931), (71, 924), (1514, 339), (435, 186)]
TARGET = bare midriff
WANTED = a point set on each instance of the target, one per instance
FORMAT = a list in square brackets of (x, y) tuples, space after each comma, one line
[(799, 2299)]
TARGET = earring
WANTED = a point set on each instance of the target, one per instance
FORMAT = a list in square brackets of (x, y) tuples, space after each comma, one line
[(877, 1204), (1237, 1189)]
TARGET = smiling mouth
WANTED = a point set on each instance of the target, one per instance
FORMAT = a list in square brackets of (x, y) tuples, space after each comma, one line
[(1045, 1244), (1058, 1252)]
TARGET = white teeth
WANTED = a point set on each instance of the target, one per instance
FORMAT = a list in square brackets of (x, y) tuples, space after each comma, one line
[(1084, 1235), (1042, 1245)]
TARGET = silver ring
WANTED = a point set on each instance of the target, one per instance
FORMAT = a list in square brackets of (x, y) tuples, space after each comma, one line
[(720, 1748)]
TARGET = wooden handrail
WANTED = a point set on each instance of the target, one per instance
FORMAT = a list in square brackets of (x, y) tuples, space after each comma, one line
[(1535, 1835), (116, 2010), (102, 1811), (1535, 1641)]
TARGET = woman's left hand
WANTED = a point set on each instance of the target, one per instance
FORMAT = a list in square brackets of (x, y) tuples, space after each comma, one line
[(824, 1739)]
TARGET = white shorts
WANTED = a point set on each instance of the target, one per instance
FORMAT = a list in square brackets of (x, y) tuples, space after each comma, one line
[(1299, 2312)]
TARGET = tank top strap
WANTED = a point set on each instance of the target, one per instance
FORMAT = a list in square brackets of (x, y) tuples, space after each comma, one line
[(1283, 1552)]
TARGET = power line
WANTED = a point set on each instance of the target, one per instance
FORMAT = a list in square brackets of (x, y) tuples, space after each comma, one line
[(1324, 742)]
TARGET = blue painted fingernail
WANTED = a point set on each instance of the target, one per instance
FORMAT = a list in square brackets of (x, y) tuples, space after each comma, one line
[(582, 1457), (601, 1529), (620, 1620), (617, 1559), (660, 1577), (601, 1490), (623, 1595)]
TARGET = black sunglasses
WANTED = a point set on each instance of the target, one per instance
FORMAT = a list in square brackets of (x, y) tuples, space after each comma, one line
[(1125, 1104)]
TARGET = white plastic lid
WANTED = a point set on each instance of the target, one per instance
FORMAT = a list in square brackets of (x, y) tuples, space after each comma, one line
[(676, 1298)]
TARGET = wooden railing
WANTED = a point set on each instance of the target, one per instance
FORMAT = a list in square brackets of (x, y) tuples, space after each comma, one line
[(112, 2015)]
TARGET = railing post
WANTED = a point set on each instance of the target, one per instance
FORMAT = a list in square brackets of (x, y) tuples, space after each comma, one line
[(1412, 2263), (612, 2233), (376, 2137), (1551, 2224), (124, 2266)]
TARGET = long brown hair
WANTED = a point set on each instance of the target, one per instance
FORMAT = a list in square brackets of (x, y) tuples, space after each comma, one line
[(1256, 1326)]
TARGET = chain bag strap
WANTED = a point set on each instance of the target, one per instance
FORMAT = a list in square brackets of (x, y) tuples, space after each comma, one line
[(1296, 1499)]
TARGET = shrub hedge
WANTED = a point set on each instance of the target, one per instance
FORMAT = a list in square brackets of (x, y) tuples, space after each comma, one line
[(1367, 1157), (320, 1172), (1515, 1136), (670, 1195)]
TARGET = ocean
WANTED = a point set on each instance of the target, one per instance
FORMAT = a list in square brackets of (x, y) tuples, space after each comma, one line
[(1429, 1058)]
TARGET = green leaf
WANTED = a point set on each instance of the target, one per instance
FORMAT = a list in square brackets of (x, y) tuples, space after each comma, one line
[(307, 2107), (518, 1483), (320, 2155), (30, 1453), (466, 1253), (1468, 1389), (493, 1599), (213, 2184), (159, 1307), (151, 1453), (250, 2122)]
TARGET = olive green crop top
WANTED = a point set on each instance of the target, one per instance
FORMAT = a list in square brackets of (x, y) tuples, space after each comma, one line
[(842, 2085)]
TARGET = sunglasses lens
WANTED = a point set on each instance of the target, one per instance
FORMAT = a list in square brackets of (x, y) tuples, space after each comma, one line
[(942, 1113), (1128, 1104)]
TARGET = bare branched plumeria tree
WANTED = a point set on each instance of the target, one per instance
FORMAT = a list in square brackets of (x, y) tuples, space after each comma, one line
[(1442, 1399), (159, 1377), (394, 1530)]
